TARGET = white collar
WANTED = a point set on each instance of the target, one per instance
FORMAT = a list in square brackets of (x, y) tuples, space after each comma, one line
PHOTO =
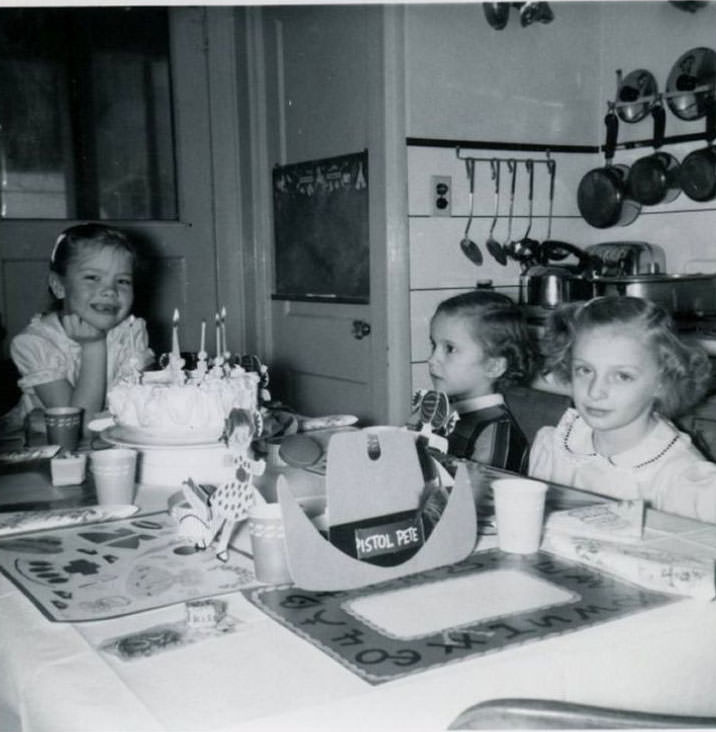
[(480, 402), (578, 439)]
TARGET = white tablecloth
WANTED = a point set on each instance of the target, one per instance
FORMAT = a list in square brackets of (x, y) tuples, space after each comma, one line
[(263, 676)]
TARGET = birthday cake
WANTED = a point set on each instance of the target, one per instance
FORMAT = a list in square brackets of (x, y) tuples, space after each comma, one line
[(176, 405)]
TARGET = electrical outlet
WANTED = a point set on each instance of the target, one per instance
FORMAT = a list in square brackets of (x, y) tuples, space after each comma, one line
[(441, 195)]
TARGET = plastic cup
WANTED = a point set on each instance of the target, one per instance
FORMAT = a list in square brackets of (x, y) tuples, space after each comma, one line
[(519, 510), (114, 472), (64, 427), (268, 544)]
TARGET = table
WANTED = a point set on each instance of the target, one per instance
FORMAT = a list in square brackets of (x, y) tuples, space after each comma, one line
[(265, 677)]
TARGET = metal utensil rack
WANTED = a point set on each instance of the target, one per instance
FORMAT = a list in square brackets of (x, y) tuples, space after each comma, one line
[(548, 160)]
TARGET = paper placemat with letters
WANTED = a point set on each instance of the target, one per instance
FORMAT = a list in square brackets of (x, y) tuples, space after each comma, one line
[(486, 603), (105, 570)]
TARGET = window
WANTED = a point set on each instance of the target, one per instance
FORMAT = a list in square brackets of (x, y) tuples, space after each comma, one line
[(85, 114)]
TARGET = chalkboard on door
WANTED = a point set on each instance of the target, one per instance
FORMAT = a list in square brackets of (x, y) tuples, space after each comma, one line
[(321, 229)]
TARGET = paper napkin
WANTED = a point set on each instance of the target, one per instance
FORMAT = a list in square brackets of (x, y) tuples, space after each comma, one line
[(652, 568), (620, 521)]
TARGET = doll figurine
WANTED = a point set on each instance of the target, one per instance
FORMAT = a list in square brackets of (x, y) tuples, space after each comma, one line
[(229, 503)]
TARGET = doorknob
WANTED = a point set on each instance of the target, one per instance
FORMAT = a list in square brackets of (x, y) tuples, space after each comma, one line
[(360, 329)]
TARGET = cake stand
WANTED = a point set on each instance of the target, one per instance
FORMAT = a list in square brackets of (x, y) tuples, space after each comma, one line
[(169, 462)]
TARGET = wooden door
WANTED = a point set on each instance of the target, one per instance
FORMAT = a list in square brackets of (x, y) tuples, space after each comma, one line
[(331, 80), (180, 254)]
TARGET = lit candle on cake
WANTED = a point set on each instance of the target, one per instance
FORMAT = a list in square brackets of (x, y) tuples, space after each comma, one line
[(175, 334), (133, 360), (132, 347), (202, 346), (223, 334), (218, 336)]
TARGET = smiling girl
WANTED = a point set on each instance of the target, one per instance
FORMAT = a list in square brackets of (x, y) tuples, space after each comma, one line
[(629, 374), (72, 354)]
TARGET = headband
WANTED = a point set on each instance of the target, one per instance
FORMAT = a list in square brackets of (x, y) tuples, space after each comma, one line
[(58, 241)]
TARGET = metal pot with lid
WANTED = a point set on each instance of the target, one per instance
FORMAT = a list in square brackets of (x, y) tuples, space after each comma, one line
[(549, 286)]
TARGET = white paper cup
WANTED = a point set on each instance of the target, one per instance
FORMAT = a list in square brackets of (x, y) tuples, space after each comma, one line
[(519, 510), (114, 473), (268, 544)]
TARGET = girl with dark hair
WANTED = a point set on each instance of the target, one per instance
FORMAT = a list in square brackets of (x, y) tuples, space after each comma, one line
[(480, 345), (72, 354)]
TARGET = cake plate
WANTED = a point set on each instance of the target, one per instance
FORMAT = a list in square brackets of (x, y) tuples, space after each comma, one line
[(165, 462), (144, 440)]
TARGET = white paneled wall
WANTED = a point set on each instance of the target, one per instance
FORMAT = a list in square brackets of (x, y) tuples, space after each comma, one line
[(685, 229)]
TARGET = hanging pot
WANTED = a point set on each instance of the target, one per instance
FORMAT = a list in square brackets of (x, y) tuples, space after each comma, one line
[(685, 93), (655, 178), (602, 194), (697, 173), (636, 93), (497, 14)]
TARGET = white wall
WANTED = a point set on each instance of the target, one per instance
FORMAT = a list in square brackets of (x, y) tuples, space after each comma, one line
[(546, 84)]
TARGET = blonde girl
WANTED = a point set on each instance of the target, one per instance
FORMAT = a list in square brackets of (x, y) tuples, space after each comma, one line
[(629, 374)]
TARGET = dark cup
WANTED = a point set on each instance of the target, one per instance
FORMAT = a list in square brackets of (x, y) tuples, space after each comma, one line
[(64, 427)]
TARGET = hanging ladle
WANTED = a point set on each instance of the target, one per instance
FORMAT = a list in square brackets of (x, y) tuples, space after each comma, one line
[(527, 243), (508, 247), (552, 249), (493, 246), (469, 248)]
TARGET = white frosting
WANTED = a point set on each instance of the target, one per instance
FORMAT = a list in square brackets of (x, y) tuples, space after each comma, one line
[(195, 410)]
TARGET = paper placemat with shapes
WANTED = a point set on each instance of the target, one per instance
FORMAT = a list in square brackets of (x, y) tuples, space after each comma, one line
[(486, 603), (105, 570)]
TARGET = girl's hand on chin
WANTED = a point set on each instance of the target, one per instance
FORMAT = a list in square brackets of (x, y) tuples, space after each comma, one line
[(80, 330)]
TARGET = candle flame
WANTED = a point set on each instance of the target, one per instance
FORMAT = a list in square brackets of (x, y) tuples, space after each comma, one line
[(175, 317), (223, 313)]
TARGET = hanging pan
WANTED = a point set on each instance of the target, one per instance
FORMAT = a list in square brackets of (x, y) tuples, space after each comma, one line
[(689, 79), (697, 173), (602, 194), (636, 93), (497, 14), (655, 178)]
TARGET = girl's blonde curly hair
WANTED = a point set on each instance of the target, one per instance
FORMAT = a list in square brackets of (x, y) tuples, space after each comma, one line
[(685, 370)]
